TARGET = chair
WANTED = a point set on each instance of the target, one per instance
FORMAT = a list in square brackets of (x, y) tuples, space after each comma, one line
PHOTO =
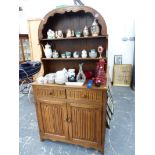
[(27, 71)]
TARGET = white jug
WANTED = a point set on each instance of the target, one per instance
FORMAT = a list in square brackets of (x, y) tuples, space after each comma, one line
[(61, 76), (48, 51)]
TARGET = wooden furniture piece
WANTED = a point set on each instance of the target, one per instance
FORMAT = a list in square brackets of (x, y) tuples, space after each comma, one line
[(24, 48), (122, 75), (72, 114)]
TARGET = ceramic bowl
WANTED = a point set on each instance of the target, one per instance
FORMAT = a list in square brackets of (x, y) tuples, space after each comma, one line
[(63, 55)]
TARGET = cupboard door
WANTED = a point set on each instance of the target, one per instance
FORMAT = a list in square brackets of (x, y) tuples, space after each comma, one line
[(85, 123), (54, 119)]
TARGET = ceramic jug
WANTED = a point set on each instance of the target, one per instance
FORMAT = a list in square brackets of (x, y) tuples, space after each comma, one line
[(48, 51)]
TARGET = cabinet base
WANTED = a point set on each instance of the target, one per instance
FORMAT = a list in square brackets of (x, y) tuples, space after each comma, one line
[(75, 142)]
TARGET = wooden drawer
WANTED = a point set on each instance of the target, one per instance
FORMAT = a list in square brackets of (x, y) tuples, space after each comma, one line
[(50, 92), (84, 94)]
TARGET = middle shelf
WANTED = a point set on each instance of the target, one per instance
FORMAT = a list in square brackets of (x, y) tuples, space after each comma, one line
[(76, 38), (72, 58)]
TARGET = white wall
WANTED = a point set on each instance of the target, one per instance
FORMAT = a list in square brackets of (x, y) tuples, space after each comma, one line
[(119, 16)]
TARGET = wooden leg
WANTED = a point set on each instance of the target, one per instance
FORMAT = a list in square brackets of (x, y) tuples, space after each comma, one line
[(41, 139), (102, 150)]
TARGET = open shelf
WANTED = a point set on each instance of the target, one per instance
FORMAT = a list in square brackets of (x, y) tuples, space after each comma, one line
[(72, 58), (76, 38)]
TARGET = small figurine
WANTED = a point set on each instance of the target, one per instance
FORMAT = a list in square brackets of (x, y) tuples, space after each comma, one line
[(71, 75), (69, 33), (84, 54), (50, 34), (85, 31), (59, 34)]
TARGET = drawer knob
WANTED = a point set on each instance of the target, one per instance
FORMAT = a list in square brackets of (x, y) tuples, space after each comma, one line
[(51, 93), (65, 119), (69, 120), (84, 96)]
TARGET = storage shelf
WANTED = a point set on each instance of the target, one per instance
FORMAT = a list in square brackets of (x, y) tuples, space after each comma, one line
[(72, 58), (76, 38)]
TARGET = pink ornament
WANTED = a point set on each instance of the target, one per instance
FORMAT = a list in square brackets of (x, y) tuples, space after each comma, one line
[(100, 73)]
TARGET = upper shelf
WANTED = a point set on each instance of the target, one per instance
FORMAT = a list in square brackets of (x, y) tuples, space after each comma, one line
[(74, 38)]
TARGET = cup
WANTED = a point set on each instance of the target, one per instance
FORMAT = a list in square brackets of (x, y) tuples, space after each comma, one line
[(68, 54)]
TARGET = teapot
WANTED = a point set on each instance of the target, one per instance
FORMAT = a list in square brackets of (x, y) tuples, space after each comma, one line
[(61, 76), (47, 50), (93, 53)]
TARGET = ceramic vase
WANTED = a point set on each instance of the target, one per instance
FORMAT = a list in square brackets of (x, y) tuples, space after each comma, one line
[(81, 76), (95, 28)]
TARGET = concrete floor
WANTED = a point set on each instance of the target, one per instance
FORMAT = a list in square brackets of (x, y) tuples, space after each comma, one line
[(120, 138)]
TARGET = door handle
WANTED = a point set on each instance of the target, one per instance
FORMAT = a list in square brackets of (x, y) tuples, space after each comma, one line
[(69, 120), (66, 119)]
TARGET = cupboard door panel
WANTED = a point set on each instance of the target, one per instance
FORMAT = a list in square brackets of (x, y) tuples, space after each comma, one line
[(85, 123), (54, 116)]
